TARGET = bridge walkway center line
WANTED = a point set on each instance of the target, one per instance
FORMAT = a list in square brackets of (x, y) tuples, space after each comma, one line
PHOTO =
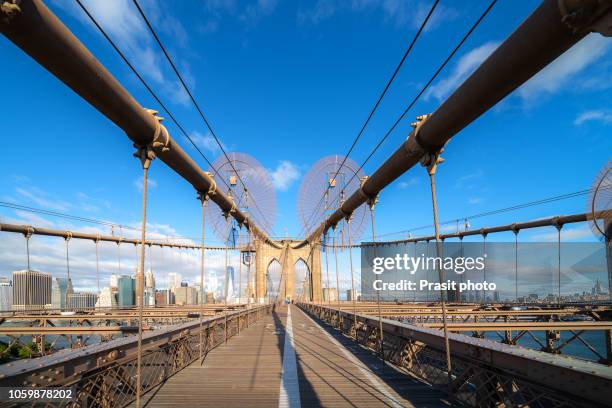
[(289, 360)]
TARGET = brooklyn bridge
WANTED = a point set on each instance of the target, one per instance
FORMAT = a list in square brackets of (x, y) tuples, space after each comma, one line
[(304, 320)]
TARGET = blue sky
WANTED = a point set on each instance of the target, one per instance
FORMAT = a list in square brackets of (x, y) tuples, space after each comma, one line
[(290, 82)]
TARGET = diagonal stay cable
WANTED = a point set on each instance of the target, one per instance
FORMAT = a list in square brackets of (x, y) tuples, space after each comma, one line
[(193, 100), (146, 85), (418, 96), (382, 95)]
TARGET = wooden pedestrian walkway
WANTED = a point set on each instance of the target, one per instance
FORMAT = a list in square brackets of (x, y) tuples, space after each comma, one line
[(289, 360)]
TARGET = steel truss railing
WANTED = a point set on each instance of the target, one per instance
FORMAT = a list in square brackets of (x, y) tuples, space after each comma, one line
[(104, 375), (484, 373)]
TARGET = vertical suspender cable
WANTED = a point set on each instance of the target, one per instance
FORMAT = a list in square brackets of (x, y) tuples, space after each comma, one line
[(67, 239), (250, 260), (203, 199), (431, 169), (239, 283), (98, 264), (327, 273), (119, 256), (353, 292), (28, 235), (559, 226), (484, 269), (515, 266), (146, 156), (381, 337), (337, 278), (225, 280)]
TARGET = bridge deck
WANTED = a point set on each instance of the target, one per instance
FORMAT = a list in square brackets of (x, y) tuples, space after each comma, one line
[(257, 369)]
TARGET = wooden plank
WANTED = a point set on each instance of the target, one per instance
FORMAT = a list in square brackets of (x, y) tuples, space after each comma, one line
[(332, 372)]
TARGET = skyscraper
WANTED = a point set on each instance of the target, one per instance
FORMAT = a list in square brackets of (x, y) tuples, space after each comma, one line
[(60, 289), (174, 280), (185, 295), (330, 294), (164, 297), (107, 298), (229, 282), (149, 297), (81, 300), (126, 286), (150, 280), (6, 294), (31, 290), (114, 282)]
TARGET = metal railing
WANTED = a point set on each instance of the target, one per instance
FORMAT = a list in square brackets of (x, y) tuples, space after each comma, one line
[(104, 375), (484, 373)]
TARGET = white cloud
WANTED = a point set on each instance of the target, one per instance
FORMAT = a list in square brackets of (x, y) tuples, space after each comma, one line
[(206, 142), (249, 13), (322, 10), (559, 73), (474, 200), (42, 199), (604, 116), (151, 183), (465, 182), (48, 254), (400, 13), (123, 24), (284, 175), (567, 234), (261, 8), (410, 182), (463, 68)]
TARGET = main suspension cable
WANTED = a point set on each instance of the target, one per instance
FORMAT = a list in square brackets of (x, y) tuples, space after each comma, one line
[(384, 92), (424, 88)]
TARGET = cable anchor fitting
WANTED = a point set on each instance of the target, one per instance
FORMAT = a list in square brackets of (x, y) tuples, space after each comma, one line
[(9, 9)]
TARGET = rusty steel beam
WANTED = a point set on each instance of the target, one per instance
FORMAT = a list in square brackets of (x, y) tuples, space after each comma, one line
[(68, 331), (503, 313), (31, 230), (37, 31), (557, 221), (110, 317), (583, 380), (519, 325), (107, 311), (548, 32), (67, 366)]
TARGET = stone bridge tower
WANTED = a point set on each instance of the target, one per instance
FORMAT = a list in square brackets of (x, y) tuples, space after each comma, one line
[(287, 256)]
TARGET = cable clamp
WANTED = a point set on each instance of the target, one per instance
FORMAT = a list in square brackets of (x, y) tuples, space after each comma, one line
[(587, 16), (9, 9), (28, 232)]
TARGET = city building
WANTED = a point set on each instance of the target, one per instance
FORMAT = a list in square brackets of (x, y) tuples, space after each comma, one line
[(598, 289), (60, 289), (6, 294), (185, 295), (351, 295), (81, 300), (164, 297), (149, 296), (107, 298), (31, 290), (229, 283), (126, 290), (174, 280), (150, 280), (114, 282), (330, 294)]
